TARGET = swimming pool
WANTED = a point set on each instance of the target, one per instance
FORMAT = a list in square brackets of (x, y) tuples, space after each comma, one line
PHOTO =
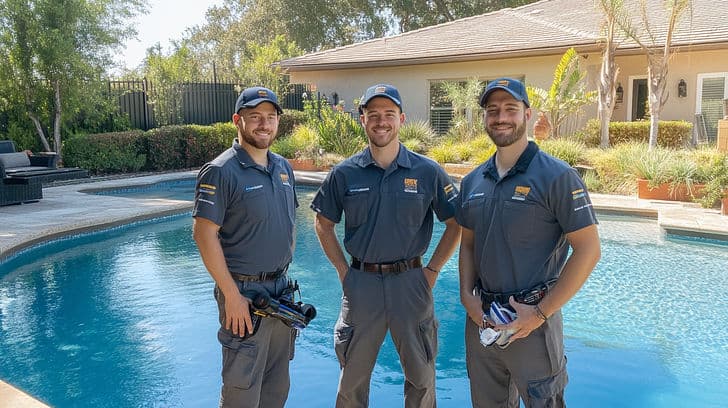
[(125, 318)]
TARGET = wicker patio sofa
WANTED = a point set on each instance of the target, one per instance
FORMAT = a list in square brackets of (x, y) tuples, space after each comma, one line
[(42, 168)]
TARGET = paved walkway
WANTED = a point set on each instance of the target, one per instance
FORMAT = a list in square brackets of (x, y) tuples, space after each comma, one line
[(69, 209)]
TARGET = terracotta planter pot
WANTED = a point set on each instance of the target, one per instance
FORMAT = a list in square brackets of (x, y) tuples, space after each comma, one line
[(305, 165), (665, 191), (724, 206)]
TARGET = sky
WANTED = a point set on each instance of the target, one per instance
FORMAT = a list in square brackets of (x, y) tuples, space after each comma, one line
[(165, 20)]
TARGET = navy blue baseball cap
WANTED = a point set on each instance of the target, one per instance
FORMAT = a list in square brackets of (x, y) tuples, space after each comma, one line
[(510, 85), (252, 97), (383, 90)]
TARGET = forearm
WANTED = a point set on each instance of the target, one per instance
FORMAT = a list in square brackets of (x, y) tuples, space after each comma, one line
[(466, 263), (213, 258), (330, 245), (447, 245), (584, 257)]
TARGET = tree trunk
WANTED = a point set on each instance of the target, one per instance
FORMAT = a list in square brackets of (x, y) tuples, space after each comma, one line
[(607, 79), (57, 120), (39, 129), (656, 82)]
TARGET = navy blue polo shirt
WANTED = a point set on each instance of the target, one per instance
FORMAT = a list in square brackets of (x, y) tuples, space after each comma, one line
[(388, 214), (520, 221), (254, 207)]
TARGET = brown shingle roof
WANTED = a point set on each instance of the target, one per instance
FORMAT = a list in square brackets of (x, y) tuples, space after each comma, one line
[(544, 27)]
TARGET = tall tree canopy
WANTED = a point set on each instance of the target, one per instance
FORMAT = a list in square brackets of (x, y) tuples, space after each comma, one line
[(54, 48)]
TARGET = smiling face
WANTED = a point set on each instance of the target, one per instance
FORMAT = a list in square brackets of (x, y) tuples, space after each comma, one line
[(382, 120), (257, 126), (505, 118)]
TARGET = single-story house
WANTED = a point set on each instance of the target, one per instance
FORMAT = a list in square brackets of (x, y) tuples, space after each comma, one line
[(527, 42)]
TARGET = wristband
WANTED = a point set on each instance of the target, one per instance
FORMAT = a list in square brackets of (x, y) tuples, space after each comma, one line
[(432, 269), (540, 313)]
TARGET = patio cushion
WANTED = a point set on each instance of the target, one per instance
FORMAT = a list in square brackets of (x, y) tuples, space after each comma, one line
[(10, 160)]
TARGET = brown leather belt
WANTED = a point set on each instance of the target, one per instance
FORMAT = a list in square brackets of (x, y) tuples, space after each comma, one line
[(397, 266), (265, 276)]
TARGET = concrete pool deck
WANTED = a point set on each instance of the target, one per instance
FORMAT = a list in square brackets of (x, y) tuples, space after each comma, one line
[(69, 209)]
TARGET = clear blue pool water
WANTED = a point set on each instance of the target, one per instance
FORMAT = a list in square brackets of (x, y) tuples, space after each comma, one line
[(126, 318)]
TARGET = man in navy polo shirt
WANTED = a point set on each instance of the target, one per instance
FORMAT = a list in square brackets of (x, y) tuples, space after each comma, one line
[(388, 195), (520, 211), (243, 225)]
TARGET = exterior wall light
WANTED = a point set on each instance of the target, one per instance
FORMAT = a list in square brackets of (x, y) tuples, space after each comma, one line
[(620, 93), (682, 89)]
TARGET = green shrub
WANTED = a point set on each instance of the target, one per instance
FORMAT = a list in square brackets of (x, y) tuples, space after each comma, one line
[(571, 151), (417, 135), (475, 150), (444, 153), (338, 132), (289, 120), (717, 183), (303, 143), (203, 143), (105, 153), (673, 134)]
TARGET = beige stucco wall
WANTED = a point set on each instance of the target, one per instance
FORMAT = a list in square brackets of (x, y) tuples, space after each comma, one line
[(413, 81)]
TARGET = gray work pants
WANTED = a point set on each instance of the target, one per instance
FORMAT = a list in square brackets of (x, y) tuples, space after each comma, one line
[(532, 368), (255, 369), (372, 304)]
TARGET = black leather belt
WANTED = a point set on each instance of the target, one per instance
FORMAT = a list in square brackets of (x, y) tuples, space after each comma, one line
[(397, 266), (265, 276), (529, 296)]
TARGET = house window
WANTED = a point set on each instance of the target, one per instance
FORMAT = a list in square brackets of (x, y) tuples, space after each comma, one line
[(440, 108), (712, 89), (441, 112)]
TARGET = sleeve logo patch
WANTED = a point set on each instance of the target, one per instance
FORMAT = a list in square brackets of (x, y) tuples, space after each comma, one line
[(577, 194), (448, 188), (520, 193), (208, 189), (410, 185)]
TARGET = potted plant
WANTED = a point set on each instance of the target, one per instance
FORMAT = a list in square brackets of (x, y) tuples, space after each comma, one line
[(716, 189), (664, 175)]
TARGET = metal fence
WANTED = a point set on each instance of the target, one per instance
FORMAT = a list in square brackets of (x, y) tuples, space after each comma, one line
[(200, 103)]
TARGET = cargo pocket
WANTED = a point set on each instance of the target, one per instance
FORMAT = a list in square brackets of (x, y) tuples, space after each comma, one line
[(548, 392), (428, 336), (238, 360), (292, 347), (342, 339)]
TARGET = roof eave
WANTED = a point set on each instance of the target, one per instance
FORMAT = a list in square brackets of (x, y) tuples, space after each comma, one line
[(543, 51)]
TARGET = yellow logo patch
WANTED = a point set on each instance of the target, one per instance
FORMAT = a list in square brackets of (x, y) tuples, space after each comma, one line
[(520, 193), (577, 194), (284, 179), (262, 93), (380, 89), (208, 189), (503, 82), (410, 185), (448, 188)]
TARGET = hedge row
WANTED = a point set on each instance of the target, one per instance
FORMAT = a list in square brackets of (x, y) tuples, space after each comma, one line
[(165, 148), (671, 133)]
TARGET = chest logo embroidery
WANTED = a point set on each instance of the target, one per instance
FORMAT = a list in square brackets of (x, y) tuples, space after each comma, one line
[(520, 193), (251, 188), (284, 179), (410, 185)]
